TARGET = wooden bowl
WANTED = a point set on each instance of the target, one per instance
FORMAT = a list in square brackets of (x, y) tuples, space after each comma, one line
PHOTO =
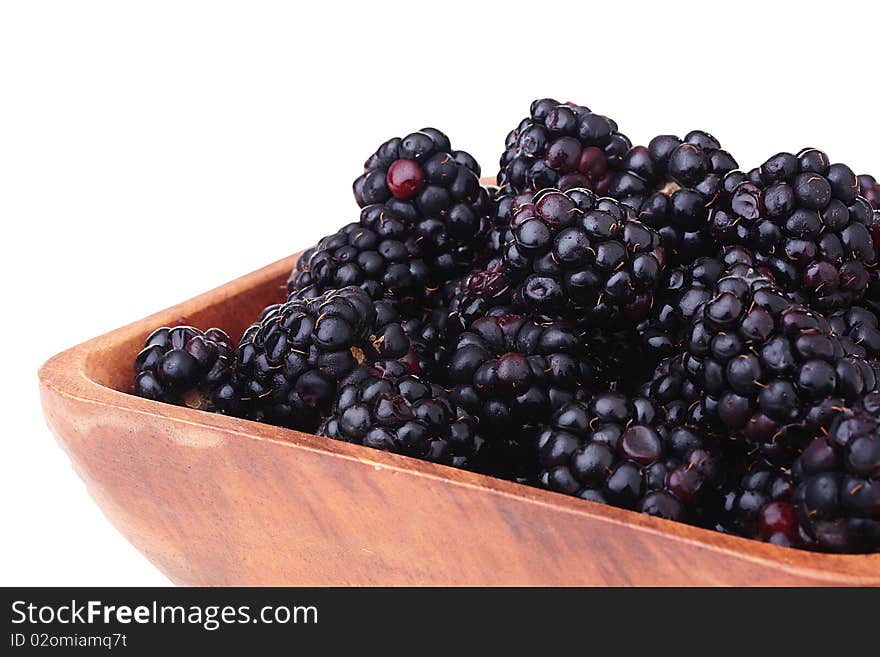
[(214, 500)]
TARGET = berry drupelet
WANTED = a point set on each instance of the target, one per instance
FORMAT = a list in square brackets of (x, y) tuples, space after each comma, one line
[(562, 146), (673, 183), (838, 476), (869, 188), (291, 361), (614, 451), (184, 366), (512, 370), (805, 221), (770, 371), (420, 180), (390, 409), (584, 257)]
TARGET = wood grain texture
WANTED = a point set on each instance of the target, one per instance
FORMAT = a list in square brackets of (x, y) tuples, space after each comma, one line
[(213, 500)]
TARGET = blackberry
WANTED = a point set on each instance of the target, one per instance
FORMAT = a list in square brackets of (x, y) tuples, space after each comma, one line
[(614, 451), (577, 255), (377, 254), (673, 183), (869, 188), (511, 370), (291, 361), (683, 290), (759, 506), (769, 371), (805, 221), (395, 411), (562, 146), (436, 191), (838, 482), (405, 168), (184, 366)]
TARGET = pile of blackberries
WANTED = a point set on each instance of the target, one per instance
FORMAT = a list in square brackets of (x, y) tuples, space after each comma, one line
[(651, 327)]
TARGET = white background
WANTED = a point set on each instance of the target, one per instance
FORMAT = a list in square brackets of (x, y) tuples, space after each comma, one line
[(151, 151)]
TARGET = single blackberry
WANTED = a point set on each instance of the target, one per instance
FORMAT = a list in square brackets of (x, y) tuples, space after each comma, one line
[(395, 411), (613, 451), (673, 183), (838, 482), (580, 256), (562, 146), (770, 371), (436, 191), (291, 361), (407, 168), (377, 254), (511, 370), (805, 221), (184, 366), (682, 291), (869, 188), (759, 506)]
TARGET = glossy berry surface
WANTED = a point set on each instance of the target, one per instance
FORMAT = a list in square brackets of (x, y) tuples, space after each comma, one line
[(514, 370), (577, 255), (561, 145), (616, 450), (291, 362), (770, 371), (838, 482), (377, 254), (870, 189), (680, 295), (405, 179), (395, 411), (479, 292), (759, 506), (435, 191), (673, 184), (803, 218), (185, 366)]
